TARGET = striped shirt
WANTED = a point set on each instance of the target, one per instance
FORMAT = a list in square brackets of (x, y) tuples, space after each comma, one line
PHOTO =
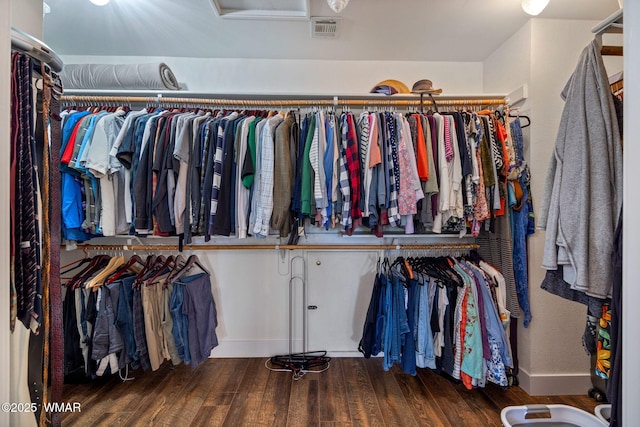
[(217, 165), (393, 170), (264, 190), (344, 174)]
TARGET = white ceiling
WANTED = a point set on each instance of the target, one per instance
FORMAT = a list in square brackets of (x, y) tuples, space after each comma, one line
[(412, 30)]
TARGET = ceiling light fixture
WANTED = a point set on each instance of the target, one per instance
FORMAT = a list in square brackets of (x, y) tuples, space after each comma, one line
[(100, 2), (534, 7), (337, 5)]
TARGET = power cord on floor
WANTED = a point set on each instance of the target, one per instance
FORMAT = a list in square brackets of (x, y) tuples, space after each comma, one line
[(126, 375), (299, 364)]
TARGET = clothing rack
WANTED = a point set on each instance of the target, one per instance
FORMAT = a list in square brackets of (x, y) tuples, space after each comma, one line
[(286, 101), (434, 246)]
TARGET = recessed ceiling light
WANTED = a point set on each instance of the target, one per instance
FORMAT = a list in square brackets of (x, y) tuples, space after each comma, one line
[(534, 7), (100, 2)]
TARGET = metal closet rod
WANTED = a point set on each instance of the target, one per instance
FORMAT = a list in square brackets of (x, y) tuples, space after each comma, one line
[(435, 246), (281, 103)]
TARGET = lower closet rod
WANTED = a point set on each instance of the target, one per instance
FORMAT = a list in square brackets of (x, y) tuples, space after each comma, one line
[(277, 247)]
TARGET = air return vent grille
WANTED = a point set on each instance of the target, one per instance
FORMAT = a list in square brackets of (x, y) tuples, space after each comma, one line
[(325, 28)]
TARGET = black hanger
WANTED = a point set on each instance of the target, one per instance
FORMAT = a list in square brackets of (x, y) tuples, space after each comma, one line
[(522, 117)]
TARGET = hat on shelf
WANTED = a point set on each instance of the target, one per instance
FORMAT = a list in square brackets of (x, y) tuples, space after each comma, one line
[(390, 87), (425, 86)]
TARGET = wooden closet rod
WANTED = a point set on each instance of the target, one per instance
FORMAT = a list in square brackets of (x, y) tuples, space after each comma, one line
[(611, 51), (452, 101), (436, 246)]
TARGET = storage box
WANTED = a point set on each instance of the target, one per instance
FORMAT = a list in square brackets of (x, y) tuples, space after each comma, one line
[(554, 416)]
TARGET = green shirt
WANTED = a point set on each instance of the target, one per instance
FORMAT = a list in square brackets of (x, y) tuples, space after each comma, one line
[(248, 171)]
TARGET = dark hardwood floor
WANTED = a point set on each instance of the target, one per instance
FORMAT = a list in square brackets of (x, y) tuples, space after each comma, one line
[(242, 392)]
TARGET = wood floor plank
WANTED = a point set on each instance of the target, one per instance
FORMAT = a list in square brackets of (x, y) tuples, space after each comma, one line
[(395, 409), (241, 392), (155, 401), (248, 398), (335, 424), (229, 374), (421, 403), (214, 415), (184, 407), (332, 394), (274, 407), (448, 399), (586, 404), (113, 419), (303, 403), (505, 397), (116, 395), (101, 387), (486, 412), (363, 404)]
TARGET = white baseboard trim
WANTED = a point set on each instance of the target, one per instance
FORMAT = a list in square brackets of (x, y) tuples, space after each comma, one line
[(253, 348), (554, 384), (267, 348)]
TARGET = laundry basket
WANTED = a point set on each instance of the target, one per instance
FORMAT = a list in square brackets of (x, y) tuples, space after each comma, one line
[(603, 412), (557, 416)]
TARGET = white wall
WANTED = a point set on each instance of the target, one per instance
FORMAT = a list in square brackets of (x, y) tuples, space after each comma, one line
[(327, 77), (631, 239), (544, 54), (555, 48), (509, 66), (5, 88), (26, 15)]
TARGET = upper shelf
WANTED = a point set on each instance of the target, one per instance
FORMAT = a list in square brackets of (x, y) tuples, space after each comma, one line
[(612, 24)]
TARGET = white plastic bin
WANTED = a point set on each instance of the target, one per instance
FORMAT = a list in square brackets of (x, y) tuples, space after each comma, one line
[(556, 416), (603, 412)]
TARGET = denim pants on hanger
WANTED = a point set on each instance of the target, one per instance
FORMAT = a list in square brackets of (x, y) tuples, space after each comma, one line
[(124, 321), (180, 323)]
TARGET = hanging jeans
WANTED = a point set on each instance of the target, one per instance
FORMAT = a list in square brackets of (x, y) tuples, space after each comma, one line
[(397, 323), (124, 321), (408, 340), (180, 322)]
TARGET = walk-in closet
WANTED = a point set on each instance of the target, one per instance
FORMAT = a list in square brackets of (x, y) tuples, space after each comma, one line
[(318, 212)]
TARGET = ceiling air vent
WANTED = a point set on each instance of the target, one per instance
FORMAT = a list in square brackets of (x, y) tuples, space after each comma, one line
[(324, 28)]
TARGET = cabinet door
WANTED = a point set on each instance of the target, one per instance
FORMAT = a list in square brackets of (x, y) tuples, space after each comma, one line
[(338, 292)]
